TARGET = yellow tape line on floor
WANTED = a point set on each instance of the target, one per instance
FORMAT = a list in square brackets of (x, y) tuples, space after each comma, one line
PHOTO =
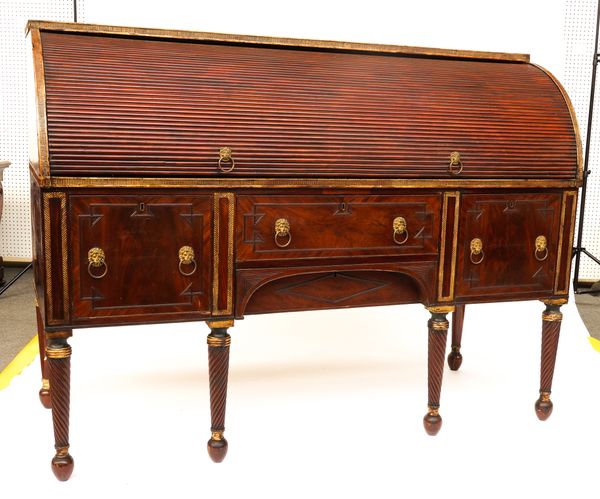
[(20, 362), (595, 343)]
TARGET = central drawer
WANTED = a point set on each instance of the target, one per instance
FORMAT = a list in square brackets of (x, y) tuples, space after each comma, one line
[(321, 226)]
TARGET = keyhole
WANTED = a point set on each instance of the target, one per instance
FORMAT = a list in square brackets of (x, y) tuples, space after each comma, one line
[(142, 207)]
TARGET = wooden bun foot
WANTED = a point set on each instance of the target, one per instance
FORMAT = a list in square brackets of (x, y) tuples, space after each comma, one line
[(45, 398), (454, 360), (432, 422), (62, 466), (217, 448), (543, 407)]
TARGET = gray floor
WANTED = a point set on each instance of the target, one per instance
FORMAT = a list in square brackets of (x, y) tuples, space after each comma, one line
[(17, 315), (589, 309), (18, 325)]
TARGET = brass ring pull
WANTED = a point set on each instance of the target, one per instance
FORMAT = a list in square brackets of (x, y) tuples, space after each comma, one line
[(225, 158), (399, 226), (97, 260), (476, 250), (541, 248), (282, 229), (455, 161), (186, 257)]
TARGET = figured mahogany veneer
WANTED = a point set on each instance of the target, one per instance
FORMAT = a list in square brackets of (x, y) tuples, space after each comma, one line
[(336, 226), (193, 176), (142, 263), (158, 108), (508, 226)]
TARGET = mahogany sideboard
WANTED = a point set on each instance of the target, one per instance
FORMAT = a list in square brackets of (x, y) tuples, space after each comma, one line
[(181, 176)]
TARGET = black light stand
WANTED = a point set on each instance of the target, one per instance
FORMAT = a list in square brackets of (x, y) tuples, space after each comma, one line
[(578, 250)]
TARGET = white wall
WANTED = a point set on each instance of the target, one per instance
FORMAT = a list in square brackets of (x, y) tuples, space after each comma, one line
[(535, 26), (15, 231), (532, 26)]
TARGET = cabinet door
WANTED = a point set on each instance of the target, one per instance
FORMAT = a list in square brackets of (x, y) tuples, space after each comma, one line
[(507, 244), (127, 260)]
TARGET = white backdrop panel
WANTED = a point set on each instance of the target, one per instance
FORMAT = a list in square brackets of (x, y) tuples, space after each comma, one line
[(509, 26), (579, 33), (15, 228)]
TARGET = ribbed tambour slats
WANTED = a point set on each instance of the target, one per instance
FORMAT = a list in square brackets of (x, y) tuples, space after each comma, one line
[(124, 106)]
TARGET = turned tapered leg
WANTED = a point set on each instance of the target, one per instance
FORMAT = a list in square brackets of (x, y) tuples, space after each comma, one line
[(455, 357), (551, 319), (218, 368), (438, 331), (45, 389), (58, 352)]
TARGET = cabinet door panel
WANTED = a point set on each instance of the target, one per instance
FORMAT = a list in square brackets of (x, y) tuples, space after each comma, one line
[(507, 227), (140, 237)]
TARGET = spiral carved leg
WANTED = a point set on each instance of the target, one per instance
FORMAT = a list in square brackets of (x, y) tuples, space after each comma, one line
[(58, 352), (218, 368), (551, 319), (438, 331), (45, 389), (455, 357)]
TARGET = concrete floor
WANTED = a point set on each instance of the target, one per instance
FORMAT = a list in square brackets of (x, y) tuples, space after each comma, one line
[(589, 309), (17, 315)]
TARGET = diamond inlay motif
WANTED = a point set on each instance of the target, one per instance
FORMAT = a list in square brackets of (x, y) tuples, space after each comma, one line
[(333, 288)]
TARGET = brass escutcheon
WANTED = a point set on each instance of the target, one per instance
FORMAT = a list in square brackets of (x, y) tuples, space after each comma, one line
[(476, 249), (541, 248), (97, 259), (225, 158), (186, 257), (399, 227), (455, 161), (282, 229)]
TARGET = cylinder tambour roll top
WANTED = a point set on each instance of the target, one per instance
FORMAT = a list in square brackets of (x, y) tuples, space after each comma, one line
[(135, 106)]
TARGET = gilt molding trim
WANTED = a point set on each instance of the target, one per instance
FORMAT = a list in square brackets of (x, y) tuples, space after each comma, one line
[(292, 183), (49, 259), (573, 120), (276, 41), (563, 288), (450, 296), (40, 103), (59, 353), (217, 252)]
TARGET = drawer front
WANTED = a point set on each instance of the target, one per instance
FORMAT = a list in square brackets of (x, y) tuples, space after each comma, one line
[(507, 243), (126, 255), (320, 226)]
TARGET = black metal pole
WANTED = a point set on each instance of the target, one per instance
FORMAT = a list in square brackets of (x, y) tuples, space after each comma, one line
[(75, 10), (586, 172)]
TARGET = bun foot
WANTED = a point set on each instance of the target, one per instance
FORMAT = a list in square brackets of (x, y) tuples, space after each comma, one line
[(45, 398), (454, 360), (217, 447), (432, 422), (543, 407), (62, 465)]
